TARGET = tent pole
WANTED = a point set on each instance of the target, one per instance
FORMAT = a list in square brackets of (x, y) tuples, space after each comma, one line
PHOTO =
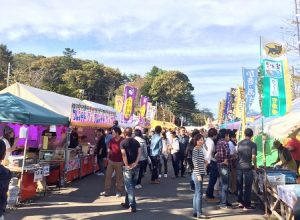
[(66, 156), (264, 137), (23, 162)]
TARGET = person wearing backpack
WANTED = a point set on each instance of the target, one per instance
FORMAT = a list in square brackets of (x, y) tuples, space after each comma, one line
[(183, 142)]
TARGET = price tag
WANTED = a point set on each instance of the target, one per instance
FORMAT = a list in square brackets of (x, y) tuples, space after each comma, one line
[(46, 170), (38, 175)]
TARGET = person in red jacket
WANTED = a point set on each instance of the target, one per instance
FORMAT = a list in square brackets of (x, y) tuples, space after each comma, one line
[(294, 146)]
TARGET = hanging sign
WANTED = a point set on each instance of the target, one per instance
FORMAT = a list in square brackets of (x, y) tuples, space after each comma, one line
[(89, 116), (38, 175), (129, 96), (250, 77)]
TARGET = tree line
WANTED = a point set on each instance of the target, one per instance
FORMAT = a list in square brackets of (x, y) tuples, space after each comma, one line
[(170, 90)]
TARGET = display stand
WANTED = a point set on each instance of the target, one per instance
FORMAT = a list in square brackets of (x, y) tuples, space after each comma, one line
[(275, 197)]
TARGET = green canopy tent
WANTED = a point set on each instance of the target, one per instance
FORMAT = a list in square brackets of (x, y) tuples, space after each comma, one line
[(17, 110)]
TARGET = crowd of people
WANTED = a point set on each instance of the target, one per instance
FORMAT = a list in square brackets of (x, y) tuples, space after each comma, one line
[(216, 154)]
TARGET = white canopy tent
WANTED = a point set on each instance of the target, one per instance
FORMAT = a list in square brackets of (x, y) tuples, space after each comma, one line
[(58, 103), (100, 106), (281, 127)]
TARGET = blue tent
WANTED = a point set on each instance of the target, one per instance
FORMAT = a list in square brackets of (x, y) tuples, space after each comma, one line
[(17, 110)]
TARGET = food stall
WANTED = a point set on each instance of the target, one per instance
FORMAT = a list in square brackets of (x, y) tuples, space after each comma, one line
[(75, 164), (89, 118), (27, 119), (282, 193)]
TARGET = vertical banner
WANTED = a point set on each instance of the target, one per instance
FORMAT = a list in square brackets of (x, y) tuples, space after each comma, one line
[(227, 106), (230, 113), (221, 112), (277, 99), (250, 78), (238, 105), (143, 104), (148, 112), (129, 96), (153, 111), (274, 98), (118, 103)]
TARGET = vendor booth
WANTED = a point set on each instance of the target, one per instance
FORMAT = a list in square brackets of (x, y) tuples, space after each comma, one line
[(85, 117), (29, 121)]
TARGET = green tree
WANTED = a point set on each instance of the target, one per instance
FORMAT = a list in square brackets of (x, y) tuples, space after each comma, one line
[(174, 89), (5, 58), (68, 61), (68, 52)]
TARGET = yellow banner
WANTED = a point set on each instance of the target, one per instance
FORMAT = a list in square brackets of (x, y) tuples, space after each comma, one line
[(288, 87), (118, 103), (238, 109), (221, 111)]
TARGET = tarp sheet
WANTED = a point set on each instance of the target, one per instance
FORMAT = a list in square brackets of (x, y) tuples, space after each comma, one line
[(17, 110)]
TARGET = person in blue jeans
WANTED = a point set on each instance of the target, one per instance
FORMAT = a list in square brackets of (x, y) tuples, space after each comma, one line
[(197, 175), (131, 153), (247, 151), (212, 166), (223, 158), (155, 151)]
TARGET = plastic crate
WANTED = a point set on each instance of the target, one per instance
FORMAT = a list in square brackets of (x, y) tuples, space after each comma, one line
[(276, 180)]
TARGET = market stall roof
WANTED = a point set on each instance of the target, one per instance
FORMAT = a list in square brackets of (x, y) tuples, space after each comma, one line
[(58, 103), (97, 105), (17, 110), (281, 127)]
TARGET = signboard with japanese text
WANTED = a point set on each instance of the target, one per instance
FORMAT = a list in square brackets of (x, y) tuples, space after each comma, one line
[(274, 98), (83, 115), (118, 103), (143, 104), (250, 77), (227, 106), (129, 97)]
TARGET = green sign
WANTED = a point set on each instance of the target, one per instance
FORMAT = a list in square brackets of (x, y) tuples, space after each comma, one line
[(274, 97)]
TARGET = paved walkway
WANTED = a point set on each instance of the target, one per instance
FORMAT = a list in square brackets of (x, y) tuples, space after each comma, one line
[(172, 199)]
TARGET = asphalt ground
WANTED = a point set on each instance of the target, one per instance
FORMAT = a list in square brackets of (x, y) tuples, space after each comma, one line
[(171, 199)]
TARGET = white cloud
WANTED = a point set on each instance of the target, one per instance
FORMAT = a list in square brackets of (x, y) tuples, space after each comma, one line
[(210, 40), (69, 18)]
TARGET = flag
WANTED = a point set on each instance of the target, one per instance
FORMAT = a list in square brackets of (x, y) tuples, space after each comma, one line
[(143, 105), (277, 98), (227, 106), (250, 78), (232, 101), (153, 111), (148, 112), (221, 111), (274, 96), (129, 96), (238, 105), (118, 103)]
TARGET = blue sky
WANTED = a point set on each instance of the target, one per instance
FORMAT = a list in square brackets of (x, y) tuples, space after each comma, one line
[(209, 40)]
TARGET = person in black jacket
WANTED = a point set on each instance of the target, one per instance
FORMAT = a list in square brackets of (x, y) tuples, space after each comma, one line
[(101, 150), (5, 176)]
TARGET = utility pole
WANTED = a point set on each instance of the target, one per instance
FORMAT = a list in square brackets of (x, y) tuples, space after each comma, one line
[(8, 75), (297, 8)]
